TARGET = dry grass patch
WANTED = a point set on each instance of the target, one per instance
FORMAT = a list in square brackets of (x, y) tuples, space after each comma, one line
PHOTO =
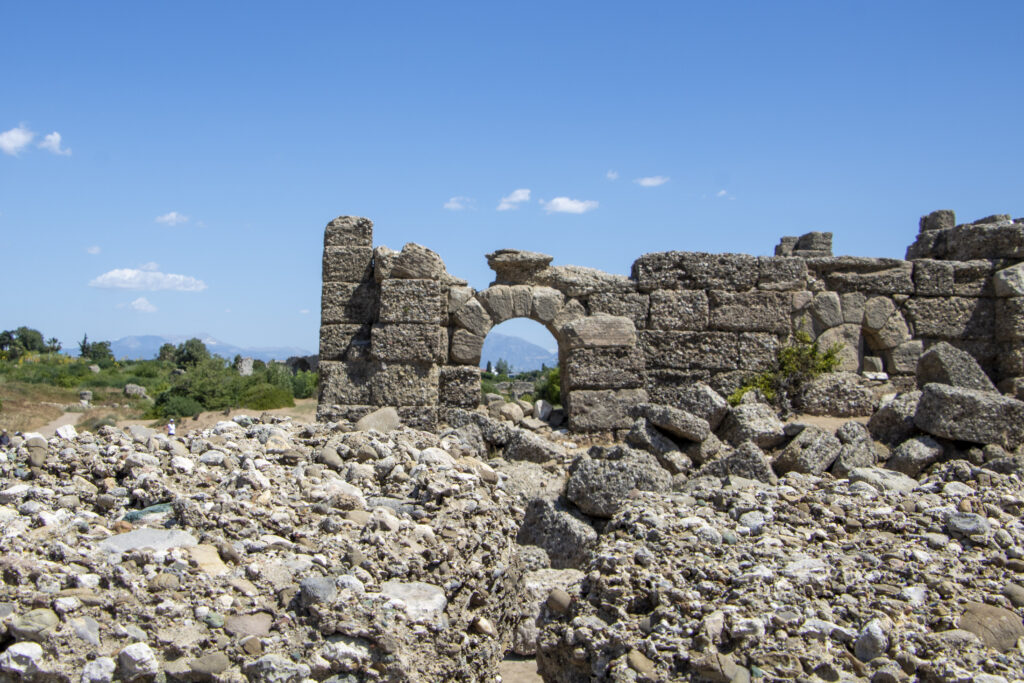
[(27, 407)]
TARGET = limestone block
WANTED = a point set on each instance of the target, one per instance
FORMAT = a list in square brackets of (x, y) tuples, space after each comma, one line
[(1011, 359), (349, 231), (781, 274), (474, 318), (577, 281), (615, 367), (946, 364), (877, 311), (891, 335), (602, 409), (669, 386), (348, 302), (756, 350), (849, 338), (547, 302), (902, 359), (750, 311), (695, 270), (336, 340), (458, 295), (412, 301), (933, 278), (459, 386), (690, 350), (853, 307), (416, 262), (383, 263), (973, 278), (826, 311), (466, 347), (981, 417), (1009, 281), (679, 310), (423, 418), (598, 331), (631, 305), (344, 383), (871, 276), (504, 302), (347, 264), (572, 310), (409, 342), (952, 317), (801, 301), (1010, 319), (404, 384), (327, 412), (938, 220), (991, 241), (513, 267)]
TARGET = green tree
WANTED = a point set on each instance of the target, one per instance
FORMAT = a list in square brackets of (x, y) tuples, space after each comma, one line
[(53, 345), (488, 366), (31, 340), (11, 347), (502, 367), (166, 352), (191, 353), (100, 352)]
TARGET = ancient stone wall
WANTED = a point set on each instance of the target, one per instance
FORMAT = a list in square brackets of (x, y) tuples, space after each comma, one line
[(398, 330)]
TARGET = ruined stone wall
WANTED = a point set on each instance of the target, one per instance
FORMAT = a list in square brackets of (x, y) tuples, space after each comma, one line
[(398, 330)]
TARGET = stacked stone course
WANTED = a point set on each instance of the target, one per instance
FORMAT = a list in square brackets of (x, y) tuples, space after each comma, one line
[(398, 330)]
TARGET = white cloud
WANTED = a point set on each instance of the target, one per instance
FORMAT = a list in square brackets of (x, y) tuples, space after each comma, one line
[(143, 306), (651, 181), (149, 280), (721, 193), (514, 200), (566, 205), (52, 143), (92, 250), (16, 139), (612, 175), (304, 311), (172, 218), (151, 266), (458, 203)]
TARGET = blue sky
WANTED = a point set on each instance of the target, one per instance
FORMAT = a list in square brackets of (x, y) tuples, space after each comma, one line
[(203, 146)]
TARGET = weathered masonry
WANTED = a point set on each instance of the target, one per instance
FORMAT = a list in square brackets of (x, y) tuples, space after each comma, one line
[(398, 330)]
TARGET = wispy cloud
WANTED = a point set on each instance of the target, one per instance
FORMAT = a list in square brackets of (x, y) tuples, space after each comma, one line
[(514, 200), (142, 305), (724, 194), (93, 250), (651, 181), (151, 266), (458, 203), (566, 205), (16, 139), (304, 311), (148, 280), (52, 143), (612, 175), (172, 218)]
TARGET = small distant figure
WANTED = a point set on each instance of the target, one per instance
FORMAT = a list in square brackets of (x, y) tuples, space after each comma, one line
[(170, 427), (5, 440)]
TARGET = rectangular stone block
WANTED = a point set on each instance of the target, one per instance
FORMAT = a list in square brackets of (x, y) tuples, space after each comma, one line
[(423, 418), (951, 317), (348, 302), (902, 360), (750, 311), (347, 264), (670, 387), (628, 305), (1010, 318), (967, 242), (604, 368), (1011, 360), (598, 331), (695, 270), (337, 340), (933, 278), (756, 351), (868, 275), (973, 278), (404, 384), (412, 301), (715, 351), (679, 310), (459, 386), (409, 342), (349, 231), (345, 414), (466, 347), (781, 274), (602, 410), (344, 383)]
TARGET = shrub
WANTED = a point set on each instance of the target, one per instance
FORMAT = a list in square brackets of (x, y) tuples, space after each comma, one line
[(175, 405), (549, 387), (796, 362), (304, 384), (266, 396)]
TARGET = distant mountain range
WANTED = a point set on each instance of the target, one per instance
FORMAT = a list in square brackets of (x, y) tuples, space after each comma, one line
[(518, 353), (146, 347)]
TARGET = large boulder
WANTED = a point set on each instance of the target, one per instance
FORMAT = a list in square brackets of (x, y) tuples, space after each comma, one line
[(678, 423), (755, 422), (970, 415), (894, 420), (946, 364), (812, 452), (913, 456), (839, 394), (598, 486), (747, 461), (702, 401), (565, 537)]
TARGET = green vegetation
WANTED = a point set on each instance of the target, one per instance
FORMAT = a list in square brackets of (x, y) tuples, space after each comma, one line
[(183, 380), (546, 381), (796, 362)]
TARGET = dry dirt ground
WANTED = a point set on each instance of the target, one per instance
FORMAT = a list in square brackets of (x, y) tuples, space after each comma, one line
[(304, 410)]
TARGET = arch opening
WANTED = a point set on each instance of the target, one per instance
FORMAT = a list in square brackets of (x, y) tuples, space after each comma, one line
[(519, 361)]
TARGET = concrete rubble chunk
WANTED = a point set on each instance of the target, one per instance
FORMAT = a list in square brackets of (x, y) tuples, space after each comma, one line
[(598, 486)]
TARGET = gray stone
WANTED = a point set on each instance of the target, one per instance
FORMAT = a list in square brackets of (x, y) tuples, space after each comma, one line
[(20, 661), (1009, 281), (746, 460), (967, 524), (418, 263), (605, 409), (137, 660), (850, 342), (675, 422), (599, 331), (567, 539), (314, 590), (946, 364), (514, 267), (915, 455), (872, 641), (424, 602), (997, 627), (701, 400), (35, 624), (970, 415), (838, 394), (99, 670), (883, 480), (598, 487), (275, 669), (146, 537), (523, 445), (852, 456), (755, 422), (812, 452), (894, 420)]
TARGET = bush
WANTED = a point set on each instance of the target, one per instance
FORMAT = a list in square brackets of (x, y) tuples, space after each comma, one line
[(173, 405), (796, 362), (549, 387), (304, 384), (266, 396)]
